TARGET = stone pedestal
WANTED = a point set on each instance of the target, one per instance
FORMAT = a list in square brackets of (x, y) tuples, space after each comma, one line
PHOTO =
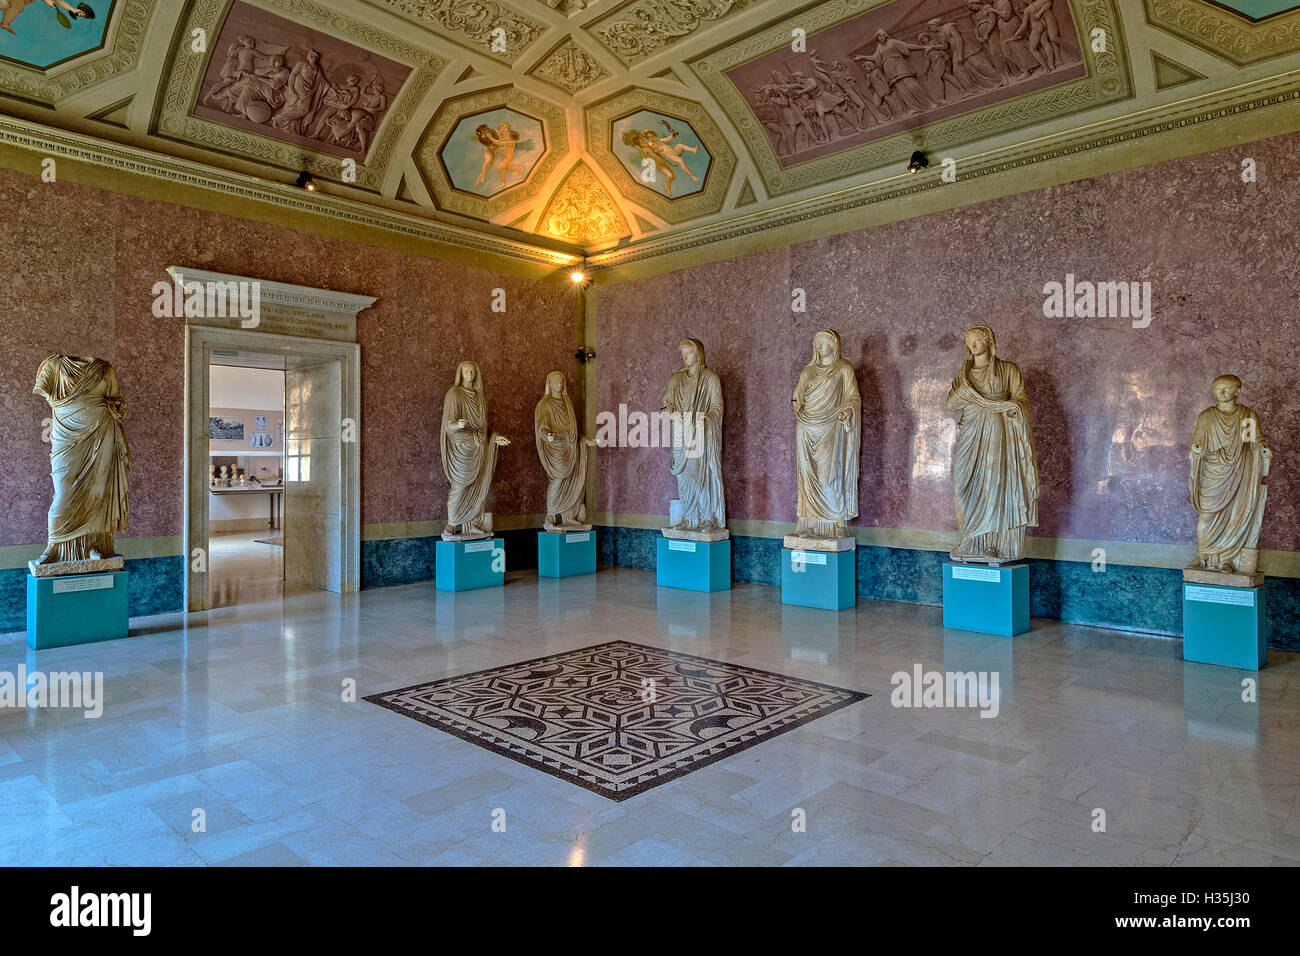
[(563, 555), (466, 565), (693, 565), (990, 600), (76, 609), (1224, 625), (824, 579)]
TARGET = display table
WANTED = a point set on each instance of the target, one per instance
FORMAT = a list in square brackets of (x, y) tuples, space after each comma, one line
[(275, 491)]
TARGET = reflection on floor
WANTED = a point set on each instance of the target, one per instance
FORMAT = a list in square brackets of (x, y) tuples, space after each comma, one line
[(248, 714), (244, 570)]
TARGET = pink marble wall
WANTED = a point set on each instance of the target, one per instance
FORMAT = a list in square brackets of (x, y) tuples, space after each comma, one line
[(1113, 406), (83, 262)]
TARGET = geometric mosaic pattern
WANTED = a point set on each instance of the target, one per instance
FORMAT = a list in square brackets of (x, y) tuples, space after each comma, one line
[(617, 718)]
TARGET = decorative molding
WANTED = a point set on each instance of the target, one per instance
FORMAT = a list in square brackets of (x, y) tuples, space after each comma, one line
[(472, 23), (120, 54), (570, 67), (582, 212), (155, 166), (1225, 34), (644, 27), (599, 120), (1108, 80), (176, 120), (428, 157)]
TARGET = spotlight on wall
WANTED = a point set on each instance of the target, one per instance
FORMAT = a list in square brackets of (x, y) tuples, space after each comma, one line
[(306, 182), (578, 277), (918, 162), (584, 355)]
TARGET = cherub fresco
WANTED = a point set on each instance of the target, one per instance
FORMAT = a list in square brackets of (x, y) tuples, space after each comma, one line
[(664, 154), (12, 9), (499, 146)]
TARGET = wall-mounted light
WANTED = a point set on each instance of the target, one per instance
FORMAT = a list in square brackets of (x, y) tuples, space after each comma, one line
[(578, 277), (584, 355), (918, 162), (306, 182)]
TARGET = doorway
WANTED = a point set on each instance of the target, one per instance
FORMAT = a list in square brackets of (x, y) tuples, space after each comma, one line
[(317, 458)]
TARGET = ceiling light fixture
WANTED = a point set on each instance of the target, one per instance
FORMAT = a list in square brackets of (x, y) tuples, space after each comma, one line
[(306, 182), (918, 163)]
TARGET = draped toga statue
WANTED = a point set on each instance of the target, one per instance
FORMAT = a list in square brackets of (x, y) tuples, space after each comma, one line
[(89, 462), (1229, 463), (828, 440), (694, 404), (469, 455), (563, 451), (994, 472)]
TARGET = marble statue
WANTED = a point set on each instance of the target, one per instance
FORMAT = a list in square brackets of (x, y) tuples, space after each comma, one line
[(89, 462), (694, 404), (1229, 461), (994, 471), (469, 455), (563, 451), (828, 439)]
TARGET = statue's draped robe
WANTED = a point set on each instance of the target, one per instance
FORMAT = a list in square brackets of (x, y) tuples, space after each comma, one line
[(469, 455), (697, 445), (994, 476), (89, 458), (564, 460), (1227, 485), (826, 455)]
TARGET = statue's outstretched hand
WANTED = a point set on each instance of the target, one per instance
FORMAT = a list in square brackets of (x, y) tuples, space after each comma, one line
[(501, 440)]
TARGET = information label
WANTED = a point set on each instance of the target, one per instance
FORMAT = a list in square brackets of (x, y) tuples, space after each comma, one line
[(579, 536), (473, 546), (674, 545), (964, 573), (95, 582), (1242, 596), (807, 557)]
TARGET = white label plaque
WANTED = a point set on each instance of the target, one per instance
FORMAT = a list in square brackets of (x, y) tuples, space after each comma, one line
[(1242, 596), (964, 573), (807, 557), (674, 545), (472, 546), (579, 536), (97, 582)]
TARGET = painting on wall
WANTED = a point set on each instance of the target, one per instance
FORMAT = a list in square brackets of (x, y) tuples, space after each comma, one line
[(904, 64), (488, 153), (44, 33), (272, 76), (662, 152), (221, 428)]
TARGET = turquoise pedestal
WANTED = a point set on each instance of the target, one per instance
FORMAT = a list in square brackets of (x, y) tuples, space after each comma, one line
[(1224, 625), (693, 565), (466, 565), (565, 554), (986, 599), (822, 579), (76, 609)]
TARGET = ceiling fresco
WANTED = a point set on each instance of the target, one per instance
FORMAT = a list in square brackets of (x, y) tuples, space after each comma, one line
[(619, 127)]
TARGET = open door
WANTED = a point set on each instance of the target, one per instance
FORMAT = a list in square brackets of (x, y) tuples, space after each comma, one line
[(314, 474)]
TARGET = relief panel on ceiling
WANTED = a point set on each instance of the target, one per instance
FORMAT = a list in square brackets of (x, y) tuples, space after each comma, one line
[(570, 67), (644, 27), (485, 152), (273, 76), (261, 94), (663, 153), (582, 212), (1230, 34), (853, 99), (36, 35), (472, 23)]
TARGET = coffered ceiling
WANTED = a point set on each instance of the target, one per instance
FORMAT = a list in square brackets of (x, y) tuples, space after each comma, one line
[(619, 128)]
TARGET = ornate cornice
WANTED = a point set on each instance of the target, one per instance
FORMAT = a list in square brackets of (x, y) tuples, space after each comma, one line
[(1223, 33), (155, 166)]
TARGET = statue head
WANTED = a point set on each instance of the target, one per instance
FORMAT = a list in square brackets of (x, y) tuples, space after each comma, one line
[(692, 352), (826, 346), (1225, 388), (979, 339), (555, 384), (467, 375)]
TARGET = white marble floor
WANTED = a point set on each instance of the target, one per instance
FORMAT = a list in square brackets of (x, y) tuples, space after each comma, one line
[(240, 713), (243, 570)]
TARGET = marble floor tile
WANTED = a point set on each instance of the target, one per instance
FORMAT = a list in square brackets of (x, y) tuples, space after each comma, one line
[(242, 712)]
